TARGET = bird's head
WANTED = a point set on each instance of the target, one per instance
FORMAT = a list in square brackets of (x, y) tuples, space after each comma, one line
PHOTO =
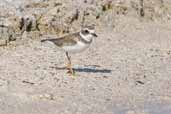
[(88, 33)]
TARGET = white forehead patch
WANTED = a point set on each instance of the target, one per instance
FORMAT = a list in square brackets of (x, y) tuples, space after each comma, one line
[(91, 31)]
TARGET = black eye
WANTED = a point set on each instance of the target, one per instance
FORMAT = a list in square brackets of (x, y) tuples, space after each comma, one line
[(86, 31)]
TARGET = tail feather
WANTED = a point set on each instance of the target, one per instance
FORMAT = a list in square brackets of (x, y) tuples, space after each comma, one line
[(52, 40), (44, 40)]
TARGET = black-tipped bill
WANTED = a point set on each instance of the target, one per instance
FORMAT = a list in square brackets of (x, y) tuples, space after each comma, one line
[(94, 34)]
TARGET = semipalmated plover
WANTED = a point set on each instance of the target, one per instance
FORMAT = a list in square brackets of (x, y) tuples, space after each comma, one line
[(74, 43)]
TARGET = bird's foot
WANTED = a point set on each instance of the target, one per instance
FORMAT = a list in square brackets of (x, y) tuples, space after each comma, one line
[(71, 72), (70, 69)]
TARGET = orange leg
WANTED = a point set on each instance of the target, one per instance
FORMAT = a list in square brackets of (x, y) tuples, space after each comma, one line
[(69, 65)]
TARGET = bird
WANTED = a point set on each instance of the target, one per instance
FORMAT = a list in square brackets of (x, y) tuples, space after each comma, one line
[(74, 43)]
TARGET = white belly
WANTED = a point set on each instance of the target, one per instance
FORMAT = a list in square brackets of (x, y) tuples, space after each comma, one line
[(79, 47)]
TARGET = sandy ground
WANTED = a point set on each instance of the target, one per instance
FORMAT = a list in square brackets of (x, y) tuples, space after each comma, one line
[(125, 71)]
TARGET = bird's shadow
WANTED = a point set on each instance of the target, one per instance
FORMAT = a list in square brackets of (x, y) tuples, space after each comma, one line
[(91, 69)]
